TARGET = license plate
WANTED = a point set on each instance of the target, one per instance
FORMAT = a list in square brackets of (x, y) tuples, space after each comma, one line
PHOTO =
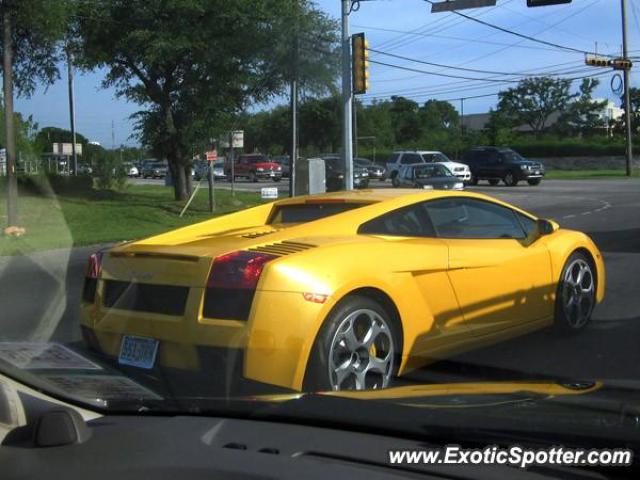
[(138, 351)]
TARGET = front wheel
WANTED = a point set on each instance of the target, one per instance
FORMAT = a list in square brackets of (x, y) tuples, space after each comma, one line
[(357, 348), (510, 179), (493, 181), (473, 180), (576, 294), (534, 181)]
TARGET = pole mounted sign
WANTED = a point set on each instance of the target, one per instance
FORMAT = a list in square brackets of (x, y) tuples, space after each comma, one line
[(212, 155), (450, 5)]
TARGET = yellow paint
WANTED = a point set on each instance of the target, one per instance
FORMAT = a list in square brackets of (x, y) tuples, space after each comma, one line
[(451, 295)]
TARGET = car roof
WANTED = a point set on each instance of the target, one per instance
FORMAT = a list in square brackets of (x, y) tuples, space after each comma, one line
[(418, 151)]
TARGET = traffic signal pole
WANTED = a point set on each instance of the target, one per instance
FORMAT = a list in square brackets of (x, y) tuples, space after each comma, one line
[(347, 134), (10, 139), (627, 96)]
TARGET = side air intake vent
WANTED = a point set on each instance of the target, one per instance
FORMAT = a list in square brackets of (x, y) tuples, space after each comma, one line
[(283, 248)]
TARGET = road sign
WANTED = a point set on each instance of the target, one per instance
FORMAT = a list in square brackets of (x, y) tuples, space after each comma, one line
[(212, 155), (450, 5), (269, 193), (238, 139)]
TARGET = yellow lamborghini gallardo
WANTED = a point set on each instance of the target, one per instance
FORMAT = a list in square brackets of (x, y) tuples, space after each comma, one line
[(340, 291)]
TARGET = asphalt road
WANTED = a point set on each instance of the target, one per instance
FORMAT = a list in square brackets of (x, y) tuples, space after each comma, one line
[(39, 293)]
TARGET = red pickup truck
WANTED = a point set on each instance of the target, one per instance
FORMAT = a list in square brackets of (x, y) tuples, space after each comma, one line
[(254, 166)]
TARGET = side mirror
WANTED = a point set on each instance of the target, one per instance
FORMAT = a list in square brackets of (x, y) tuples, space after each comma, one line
[(545, 227)]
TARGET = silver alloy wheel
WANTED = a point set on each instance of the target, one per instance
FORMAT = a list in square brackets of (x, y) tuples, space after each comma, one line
[(578, 293), (361, 356)]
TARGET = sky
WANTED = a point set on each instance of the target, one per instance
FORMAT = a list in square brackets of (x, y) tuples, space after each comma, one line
[(442, 38)]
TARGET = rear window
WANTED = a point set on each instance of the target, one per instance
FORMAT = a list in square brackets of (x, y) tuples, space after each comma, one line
[(307, 212)]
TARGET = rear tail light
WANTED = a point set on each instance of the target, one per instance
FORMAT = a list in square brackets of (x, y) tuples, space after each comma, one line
[(94, 265), (241, 269), (232, 284), (92, 273)]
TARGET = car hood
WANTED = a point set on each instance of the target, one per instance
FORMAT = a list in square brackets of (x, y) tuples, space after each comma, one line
[(452, 165), (266, 165)]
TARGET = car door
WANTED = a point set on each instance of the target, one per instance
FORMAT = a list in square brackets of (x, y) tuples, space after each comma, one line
[(501, 277), (494, 165), (426, 260)]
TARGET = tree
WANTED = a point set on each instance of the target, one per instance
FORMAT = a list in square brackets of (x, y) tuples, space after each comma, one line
[(582, 115), (404, 116), (438, 115), (193, 65), (634, 95), (32, 30), (534, 100), (49, 135)]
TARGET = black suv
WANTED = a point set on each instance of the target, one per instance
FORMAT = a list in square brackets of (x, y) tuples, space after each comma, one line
[(497, 163)]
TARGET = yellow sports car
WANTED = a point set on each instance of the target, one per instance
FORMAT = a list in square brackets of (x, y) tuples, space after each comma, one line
[(340, 291)]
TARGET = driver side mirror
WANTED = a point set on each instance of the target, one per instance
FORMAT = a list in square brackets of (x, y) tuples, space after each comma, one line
[(545, 227)]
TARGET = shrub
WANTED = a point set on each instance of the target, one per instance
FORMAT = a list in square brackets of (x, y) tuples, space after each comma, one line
[(47, 184)]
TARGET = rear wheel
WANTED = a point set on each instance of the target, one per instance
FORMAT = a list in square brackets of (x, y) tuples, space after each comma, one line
[(357, 348), (534, 181), (576, 294), (473, 180), (493, 181), (510, 179), (394, 180)]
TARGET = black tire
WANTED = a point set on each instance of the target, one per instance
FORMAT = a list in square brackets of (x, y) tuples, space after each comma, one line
[(395, 182), (493, 181), (534, 181), (276, 179), (253, 177), (568, 319), (510, 179), (473, 180), (388, 343)]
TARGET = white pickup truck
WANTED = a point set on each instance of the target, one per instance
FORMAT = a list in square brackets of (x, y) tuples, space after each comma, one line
[(397, 159)]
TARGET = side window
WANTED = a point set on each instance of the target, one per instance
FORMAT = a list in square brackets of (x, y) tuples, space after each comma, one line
[(394, 158), (471, 218), (411, 221), (407, 159), (528, 223)]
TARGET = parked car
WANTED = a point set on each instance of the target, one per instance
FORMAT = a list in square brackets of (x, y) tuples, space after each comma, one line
[(430, 176), (475, 270), (376, 172), (84, 169), (254, 166), (131, 170), (201, 169), (498, 163), (460, 170), (334, 174), (154, 170), (285, 164)]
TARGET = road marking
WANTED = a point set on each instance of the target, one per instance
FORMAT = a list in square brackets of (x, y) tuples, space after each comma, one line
[(569, 216)]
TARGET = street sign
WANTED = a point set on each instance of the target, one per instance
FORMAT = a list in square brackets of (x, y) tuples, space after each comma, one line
[(212, 155), (450, 5), (544, 3), (238, 139), (269, 193)]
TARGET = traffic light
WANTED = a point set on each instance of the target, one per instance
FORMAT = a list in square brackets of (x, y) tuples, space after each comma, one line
[(360, 63), (596, 61), (621, 64), (544, 3)]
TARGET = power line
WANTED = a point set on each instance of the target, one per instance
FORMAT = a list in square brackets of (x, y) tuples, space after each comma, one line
[(521, 35), (409, 69), (432, 94)]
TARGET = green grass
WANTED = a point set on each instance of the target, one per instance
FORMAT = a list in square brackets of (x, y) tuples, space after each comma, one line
[(586, 174), (103, 217)]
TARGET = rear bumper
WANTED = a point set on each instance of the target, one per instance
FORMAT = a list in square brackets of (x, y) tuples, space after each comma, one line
[(273, 347)]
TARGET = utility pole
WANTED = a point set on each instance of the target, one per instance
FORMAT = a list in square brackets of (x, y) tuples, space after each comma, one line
[(355, 128), (293, 151), (347, 141), (462, 118), (113, 136), (627, 96), (72, 111), (9, 127)]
